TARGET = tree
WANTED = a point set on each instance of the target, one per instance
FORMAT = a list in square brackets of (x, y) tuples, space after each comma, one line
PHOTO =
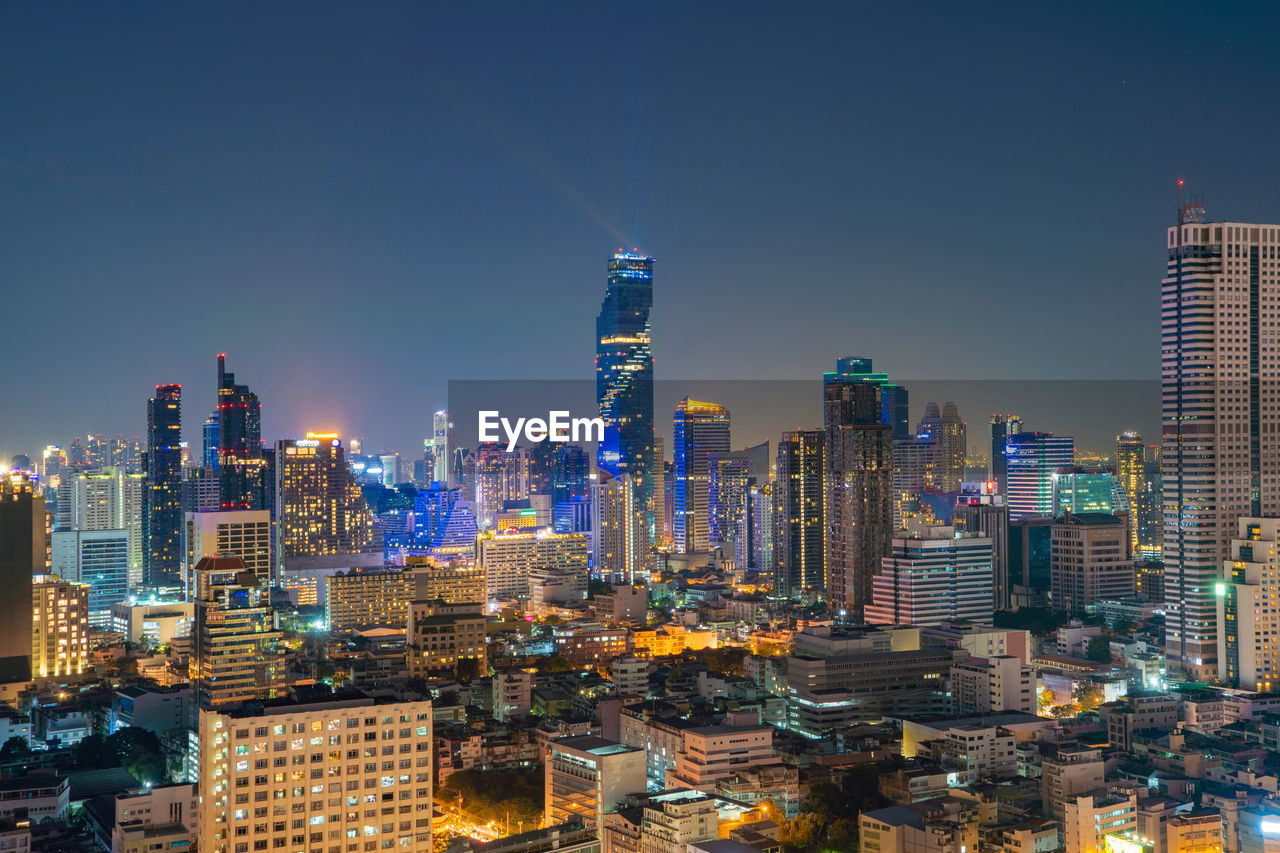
[(468, 668), (553, 663), (14, 748), (138, 751), (1099, 649)]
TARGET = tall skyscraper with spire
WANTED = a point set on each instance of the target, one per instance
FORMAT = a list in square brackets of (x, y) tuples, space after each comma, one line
[(162, 492), (241, 464), (624, 378), (1220, 404)]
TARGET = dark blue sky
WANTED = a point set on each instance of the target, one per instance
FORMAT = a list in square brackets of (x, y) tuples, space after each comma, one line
[(359, 202)]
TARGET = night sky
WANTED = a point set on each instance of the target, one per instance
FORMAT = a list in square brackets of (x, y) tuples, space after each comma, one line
[(359, 202)]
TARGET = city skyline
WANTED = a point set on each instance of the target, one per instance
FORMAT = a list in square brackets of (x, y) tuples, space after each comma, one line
[(330, 209)]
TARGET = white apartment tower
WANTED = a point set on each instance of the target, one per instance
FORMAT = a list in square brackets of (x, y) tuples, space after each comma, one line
[(1220, 379), (1248, 619)]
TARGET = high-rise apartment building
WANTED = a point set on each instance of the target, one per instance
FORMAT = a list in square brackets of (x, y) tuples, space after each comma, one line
[(1132, 480), (242, 468), (445, 637), (58, 631), (106, 499), (1031, 460), (700, 430), (369, 599), (162, 493), (345, 770), (893, 398), (235, 645), (932, 575), (453, 581), (442, 446), (100, 560), (858, 501), (1247, 616), (799, 522), (508, 559), (1089, 561), (624, 380), (1220, 406), (948, 433), (617, 536), (322, 520), (24, 552), (244, 533)]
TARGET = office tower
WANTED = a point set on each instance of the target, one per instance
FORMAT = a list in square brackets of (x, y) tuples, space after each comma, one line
[(1031, 459), (443, 525), (1248, 634), (754, 540), (390, 469), (1076, 489), (162, 494), (236, 654), (446, 638), (1221, 445), (668, 503), (209, 458), (453, 581), (947, 432), (989, 685), (508, 559), (442, 445), (730, 478), (799, 520), (617, 535), (932, 575), (334, 809), (587, 777), (58, 631), (241, 466), (912, 477), (893, 398), (244, 533), (322, 520), (859, 494), (376, 598), (99, 559), (1131, 476), (624, 381), (1089, 561), (1002, 426), (570, 476), (701, 429), (1029, 562), (107, 499), (1151, 517), (52, 461), (986, 514), (491, 483), (23, 553), (201, 490)]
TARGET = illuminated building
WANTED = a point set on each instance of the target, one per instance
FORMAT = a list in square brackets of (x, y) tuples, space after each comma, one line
[(858, 501), (1078, 490), (948, 434), (453, 581), (23, 553), (107, 499), (153, 623), (322, 520), (492, 478), (242, 469), (442, 636), (209, 458), (98, 559), (508, 559), (201, 490), (701, 430), (1151, 517), (932, 575), (730, 476), (244, 533), (799, 520), (59, 629), (236, 654), (1089, 561), (1031, 460), (569, 473), (1132, 480), (913, 472), (994, 684), (711, 753), (591, 644), (624, 381), (1091, 822), (1248, 626), (1197, 830), (1067, 775), (162, 494), (587, 777), (1220, 302), (1002, 426), (986, 514), (443, 524), (617, 537), (893, 398), (943, 823), (442, 446), (369, 599), (257, 752)]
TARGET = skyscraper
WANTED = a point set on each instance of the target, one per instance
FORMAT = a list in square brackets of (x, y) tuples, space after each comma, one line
[(1131, 476), (893, 398), (947, 432), (322, 520), (1220, 407), (700, 430), (58, 627), (442, 445), (23, 553), (107, 499), (209, 458), (241, 465), (932, 575), (1031, 460), (799, 521), (1002, 426), (235, 646), (624, 378), (99, 559), (162, 494), (616, 528), (859, 493), (985, 513)]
